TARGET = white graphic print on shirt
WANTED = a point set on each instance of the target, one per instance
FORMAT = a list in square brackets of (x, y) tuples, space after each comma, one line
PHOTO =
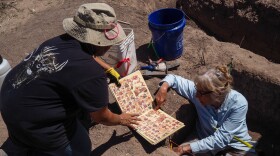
[(36, 64)]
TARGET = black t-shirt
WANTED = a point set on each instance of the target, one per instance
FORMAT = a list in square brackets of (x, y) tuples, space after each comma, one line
[(43, 94)]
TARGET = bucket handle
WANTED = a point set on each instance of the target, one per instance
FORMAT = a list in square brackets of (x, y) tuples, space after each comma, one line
[(162, 35), (165, 33), (125, 60), (159, 37)]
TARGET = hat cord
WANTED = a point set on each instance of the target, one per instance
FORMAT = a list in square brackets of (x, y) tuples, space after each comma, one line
[(108, 36)]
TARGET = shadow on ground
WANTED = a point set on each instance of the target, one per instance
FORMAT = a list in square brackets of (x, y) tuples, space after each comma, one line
[(114, 140), (186, 114), (144, 52)]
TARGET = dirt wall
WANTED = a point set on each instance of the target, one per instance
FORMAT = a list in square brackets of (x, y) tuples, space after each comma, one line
[(253, 25), (28, 23), (264, 111), (262, 94)]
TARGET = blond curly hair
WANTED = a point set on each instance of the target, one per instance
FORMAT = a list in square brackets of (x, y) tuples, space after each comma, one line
[(218, 81)]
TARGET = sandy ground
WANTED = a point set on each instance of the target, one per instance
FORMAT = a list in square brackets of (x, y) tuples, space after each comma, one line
[(25, 24)]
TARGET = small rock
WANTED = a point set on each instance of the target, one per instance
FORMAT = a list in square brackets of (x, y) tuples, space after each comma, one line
[(32, 11)]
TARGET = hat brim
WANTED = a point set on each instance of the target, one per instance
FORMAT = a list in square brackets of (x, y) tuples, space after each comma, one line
[(94, 36)]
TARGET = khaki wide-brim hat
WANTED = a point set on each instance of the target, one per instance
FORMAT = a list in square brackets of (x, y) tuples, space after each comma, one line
[(95, 23)]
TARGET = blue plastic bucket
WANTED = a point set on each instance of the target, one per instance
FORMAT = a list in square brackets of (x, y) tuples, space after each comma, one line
[(167, 27)]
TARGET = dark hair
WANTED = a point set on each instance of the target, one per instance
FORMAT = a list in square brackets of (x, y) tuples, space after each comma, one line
[(88, 48), (1, 59)]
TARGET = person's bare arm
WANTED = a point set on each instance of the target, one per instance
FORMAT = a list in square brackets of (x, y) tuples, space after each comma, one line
[(161, 95), (106, 117)]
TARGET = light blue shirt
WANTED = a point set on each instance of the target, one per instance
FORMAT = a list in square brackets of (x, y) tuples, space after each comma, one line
[(229, 119)]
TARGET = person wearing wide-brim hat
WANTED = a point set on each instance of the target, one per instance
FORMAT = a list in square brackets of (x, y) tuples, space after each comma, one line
[(99, 29), (42, 96)]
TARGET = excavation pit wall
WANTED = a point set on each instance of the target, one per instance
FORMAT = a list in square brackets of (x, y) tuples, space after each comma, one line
[(253, 25), (263, 97), (263, 117)]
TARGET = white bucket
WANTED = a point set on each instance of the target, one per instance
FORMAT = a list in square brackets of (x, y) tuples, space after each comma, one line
[(122, 56), (4, 69)]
